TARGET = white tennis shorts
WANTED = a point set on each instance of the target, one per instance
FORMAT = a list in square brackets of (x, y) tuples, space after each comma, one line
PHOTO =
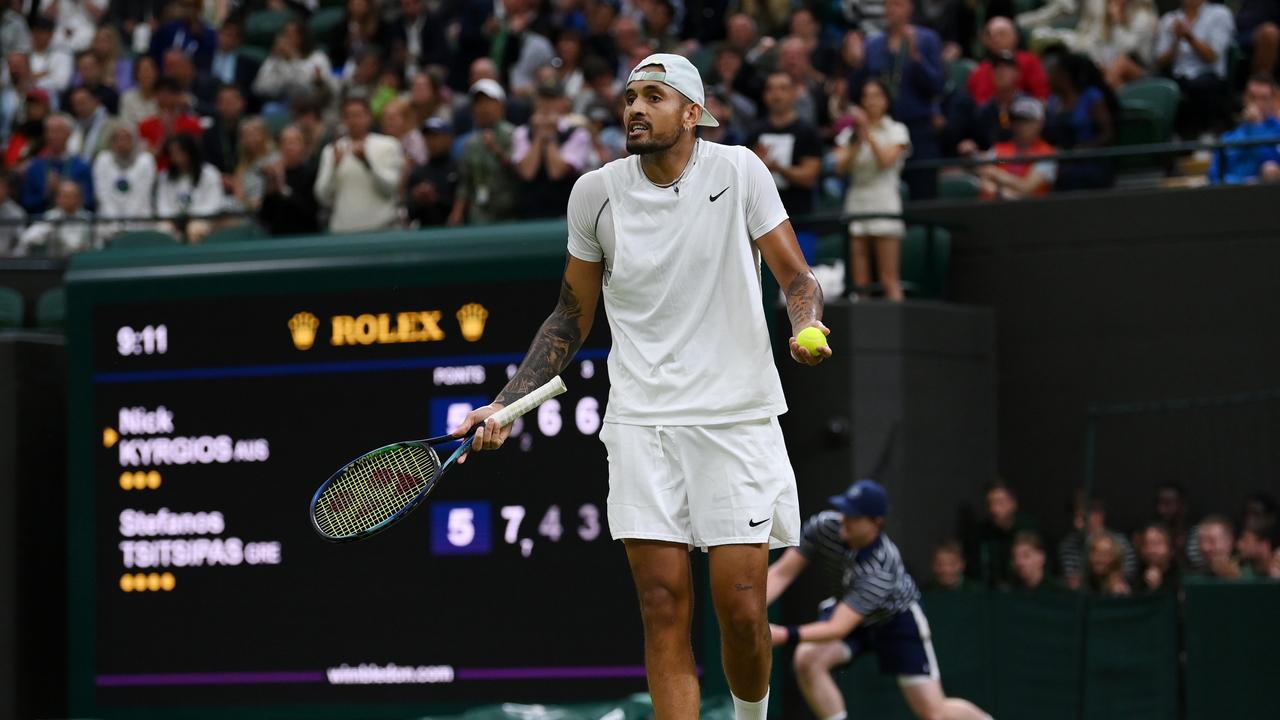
[(702, 485)]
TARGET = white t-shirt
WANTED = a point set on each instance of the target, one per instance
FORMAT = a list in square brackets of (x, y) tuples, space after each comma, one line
[(682, 286)]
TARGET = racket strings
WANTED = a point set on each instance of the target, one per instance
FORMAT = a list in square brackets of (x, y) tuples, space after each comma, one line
[(373, 489)]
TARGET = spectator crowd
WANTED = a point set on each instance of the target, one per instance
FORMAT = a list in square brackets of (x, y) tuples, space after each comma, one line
[(1007, 551), (309, 115)]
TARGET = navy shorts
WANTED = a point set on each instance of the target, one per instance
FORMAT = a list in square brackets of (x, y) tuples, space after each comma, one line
[(903, 643)]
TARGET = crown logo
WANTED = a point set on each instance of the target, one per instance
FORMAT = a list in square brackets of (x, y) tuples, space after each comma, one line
[(471, 320), (303, 328)]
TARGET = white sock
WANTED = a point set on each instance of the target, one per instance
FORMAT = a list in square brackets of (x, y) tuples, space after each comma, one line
[(838, 716), (743, 710)]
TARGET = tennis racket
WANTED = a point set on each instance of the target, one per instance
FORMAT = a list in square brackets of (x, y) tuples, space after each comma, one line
[(381, 487)]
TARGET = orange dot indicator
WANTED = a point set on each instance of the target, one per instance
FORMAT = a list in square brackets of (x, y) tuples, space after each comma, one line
[(109, 437), (153, 582), (153, 479), (126, 583), (126, 481), (168, 581)]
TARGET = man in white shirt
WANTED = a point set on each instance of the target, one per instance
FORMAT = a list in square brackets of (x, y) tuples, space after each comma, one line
[(359, 175), (51, 66), (672, 237)]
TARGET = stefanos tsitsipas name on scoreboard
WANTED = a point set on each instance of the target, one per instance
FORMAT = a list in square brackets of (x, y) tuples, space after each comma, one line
[(411, 326)]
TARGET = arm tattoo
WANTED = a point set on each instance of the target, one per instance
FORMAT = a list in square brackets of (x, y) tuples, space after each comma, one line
[(804, 300), (553, 347)]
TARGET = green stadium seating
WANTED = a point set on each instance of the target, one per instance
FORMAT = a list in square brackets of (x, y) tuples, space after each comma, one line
[(325, 23), (51, 309), (958, 74), (11, 309), (958, 186), (261, 27), (254, 52), (243, 231), (142, 238), (926, 253), (1157, 95)]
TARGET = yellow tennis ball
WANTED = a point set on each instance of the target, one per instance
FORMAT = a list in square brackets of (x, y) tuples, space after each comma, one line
[(811, 338)]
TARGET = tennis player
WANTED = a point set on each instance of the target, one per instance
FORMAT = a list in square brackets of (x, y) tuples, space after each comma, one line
[(672, 236), (875, 609)]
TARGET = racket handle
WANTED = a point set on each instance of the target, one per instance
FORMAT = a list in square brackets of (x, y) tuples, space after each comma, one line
[(508, 414)]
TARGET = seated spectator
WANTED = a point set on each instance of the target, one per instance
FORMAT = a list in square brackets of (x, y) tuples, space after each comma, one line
[(1120, 38), (89, 76), (809, 84), (955, 22), (293, 66), (1260, 119), (1215, 536), (199, 88), (1106, 565), (549, 153), (139, 102), (117, 69), (737, 83), (256, 152), (1030, 566), (1001, 37), (51, 66), (189, 189), (990, 550), (1171, 512), (230, 66), (124, 177), (568, 63), (362, 28), (420, 36), (14, 93), (26, 139), (1081, 115), (172, 118), (1192, 48), (431, 186), (426, 100), (1258, 34), (360, 174), (948, 569), (396, 122), (488, 187), (790, 147), (56, 162), (1045, 18), (726, 133), (15, 35), (872, 152), (990, 122), (289, 204), (1257, 547), (12, 216), (608, 142), (909, 58), (1073, 550), (307, 109), (93, 124), (76, 21), (186, 32), (1157, 561), (1018, 180), (220, 142), (63, 230)]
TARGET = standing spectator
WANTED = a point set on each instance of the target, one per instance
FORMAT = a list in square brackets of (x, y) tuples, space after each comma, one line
[(360, 173), (289, 204), (810, 85), (56, 162), (229, 65), (1215, 537), (1106, 565), (1192, 48), (907, 59), (51, 66), (549, 154), (948, 568), (1158, 565), (517, 48), (139, 102), (76, 22), (1257, 548), (1030, 565), (872, 153), (420, 36), (1075, 550), (1017, 180), (1260, 119), (221, 140), (991, 122), (293, 66), (397, 122), (172, 118), (64, 229), (431, 186), (15, 36), (123, 178), (1258, 34), (991, 550), (1082, 115), (189, 188), (308, 116), (117, 70), (89, 76), (789, 147), (93, 125), (12, 216), (736, 82), (256, 153), (426, 101), (187, 33), (1000, 37), (488, 189)]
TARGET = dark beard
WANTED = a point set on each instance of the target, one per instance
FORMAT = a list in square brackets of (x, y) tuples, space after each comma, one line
[(652, 145)]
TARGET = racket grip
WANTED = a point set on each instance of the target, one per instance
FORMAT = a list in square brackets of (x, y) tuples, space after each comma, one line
[(508, 414)]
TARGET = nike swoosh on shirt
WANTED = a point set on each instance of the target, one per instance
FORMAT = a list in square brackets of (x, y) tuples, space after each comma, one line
[(753, 523), (717, 195)]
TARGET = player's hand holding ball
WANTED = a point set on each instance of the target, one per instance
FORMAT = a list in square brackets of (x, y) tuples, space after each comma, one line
[(489, 436), (809, 346)]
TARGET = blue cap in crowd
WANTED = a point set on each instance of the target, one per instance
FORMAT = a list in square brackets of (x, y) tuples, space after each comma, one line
[(865, 498)]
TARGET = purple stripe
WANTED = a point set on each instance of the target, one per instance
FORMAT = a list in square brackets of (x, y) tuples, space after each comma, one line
[(212, 678), (550, 673)]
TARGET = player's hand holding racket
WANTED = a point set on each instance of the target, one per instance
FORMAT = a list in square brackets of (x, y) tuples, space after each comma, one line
[(809, 344), (381, 487)]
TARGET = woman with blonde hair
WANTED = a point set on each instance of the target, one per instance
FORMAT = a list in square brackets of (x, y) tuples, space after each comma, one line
[(397, 121), (117, 70), (872, 152), (256, 152)]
